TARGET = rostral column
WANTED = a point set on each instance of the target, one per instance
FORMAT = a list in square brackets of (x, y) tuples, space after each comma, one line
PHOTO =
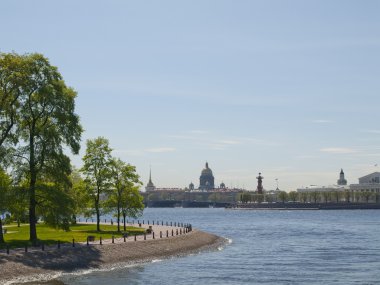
[(259, 184)]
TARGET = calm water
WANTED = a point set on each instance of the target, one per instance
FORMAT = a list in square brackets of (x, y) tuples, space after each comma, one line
[(268, 247)]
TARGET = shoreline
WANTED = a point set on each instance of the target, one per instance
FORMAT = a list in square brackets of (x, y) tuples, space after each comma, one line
[(47, 265)]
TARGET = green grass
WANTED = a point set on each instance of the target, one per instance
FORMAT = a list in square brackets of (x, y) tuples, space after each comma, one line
[(19, 236)]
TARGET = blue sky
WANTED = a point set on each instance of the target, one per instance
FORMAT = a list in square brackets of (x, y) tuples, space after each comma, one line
[(286, 88)]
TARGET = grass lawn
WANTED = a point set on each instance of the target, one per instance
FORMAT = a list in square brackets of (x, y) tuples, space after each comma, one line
[(19, 236)]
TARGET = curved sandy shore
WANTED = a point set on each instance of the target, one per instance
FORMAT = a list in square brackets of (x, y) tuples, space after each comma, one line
[(28, 266)]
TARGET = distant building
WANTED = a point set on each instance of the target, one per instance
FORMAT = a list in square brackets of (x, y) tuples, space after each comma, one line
[(342, 186), (342, 180), (206, 180), (150, 186), (222, 186), (191, 186), (368, 183)]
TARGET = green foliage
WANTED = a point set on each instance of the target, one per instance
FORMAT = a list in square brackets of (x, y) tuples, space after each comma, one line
[(123, 178), (38, 108), (132, 202), (18, 203), (5, 182), (293, 196), (245, 197), (56, 206), (283, 196), (97, 170)]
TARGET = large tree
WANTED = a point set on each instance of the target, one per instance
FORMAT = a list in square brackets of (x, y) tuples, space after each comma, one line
[(97, 171), (12, 80), (123, 178), (47, 122)]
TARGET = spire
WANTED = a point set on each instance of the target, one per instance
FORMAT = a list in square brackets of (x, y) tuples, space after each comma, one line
[(150, 175), (206, 164), (341, 171)]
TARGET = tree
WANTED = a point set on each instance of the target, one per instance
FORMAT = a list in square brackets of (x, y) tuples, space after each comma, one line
[(293, 195), (18, 203), (283, 196), (347, 196), (131, 203), (304, 197), (12, 76), (326, 196), (123, 177), (5, 182), (367, 195), (47, 122), (336, 195), (78, 191), (314, 196), (97, 171)]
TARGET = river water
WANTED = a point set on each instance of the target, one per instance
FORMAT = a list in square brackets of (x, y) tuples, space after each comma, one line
[(267, 247)]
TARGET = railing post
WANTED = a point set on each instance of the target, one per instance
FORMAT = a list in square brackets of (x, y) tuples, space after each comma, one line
[(7, 249), (144, 236), (135, 237), (43, 246), (101, 242), (172, 232), (73, 243), (87, 242), (167, 233), (153, 235), (59, 244), (124, 237), (113, 239), (160, 234)]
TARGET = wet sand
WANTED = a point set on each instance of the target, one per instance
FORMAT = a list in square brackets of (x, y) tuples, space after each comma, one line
[(22, 267)]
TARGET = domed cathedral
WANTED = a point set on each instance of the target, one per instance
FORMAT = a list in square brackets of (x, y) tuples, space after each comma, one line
[(206, 181)]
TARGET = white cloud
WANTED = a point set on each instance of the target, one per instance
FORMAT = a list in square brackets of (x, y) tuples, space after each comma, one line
[(135, 152), (199, 132), (338, 150), (321, 121), (160, 149), (372, 131)]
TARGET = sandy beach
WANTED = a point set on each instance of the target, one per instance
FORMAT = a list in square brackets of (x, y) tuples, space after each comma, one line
[(21, 267)]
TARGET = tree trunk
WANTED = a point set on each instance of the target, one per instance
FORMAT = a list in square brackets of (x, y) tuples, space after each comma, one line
[(118, 216), (1, 232), (32, 192), (124, 217), (97, 218), (97, 210), (32, 211)]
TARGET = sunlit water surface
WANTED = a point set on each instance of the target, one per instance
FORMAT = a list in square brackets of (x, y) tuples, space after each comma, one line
[(268, 247)]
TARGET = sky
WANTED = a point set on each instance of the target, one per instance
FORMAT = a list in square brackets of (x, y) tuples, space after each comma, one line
[(286, 88)]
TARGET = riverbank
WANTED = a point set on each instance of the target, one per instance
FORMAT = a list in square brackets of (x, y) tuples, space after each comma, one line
[(306, 206), (45, 265)]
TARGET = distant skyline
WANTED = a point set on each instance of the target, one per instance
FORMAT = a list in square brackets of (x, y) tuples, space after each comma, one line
[(286, 88)]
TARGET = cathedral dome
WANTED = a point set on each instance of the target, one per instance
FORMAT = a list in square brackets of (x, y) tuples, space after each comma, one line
[(206, 171), (206, 180)]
